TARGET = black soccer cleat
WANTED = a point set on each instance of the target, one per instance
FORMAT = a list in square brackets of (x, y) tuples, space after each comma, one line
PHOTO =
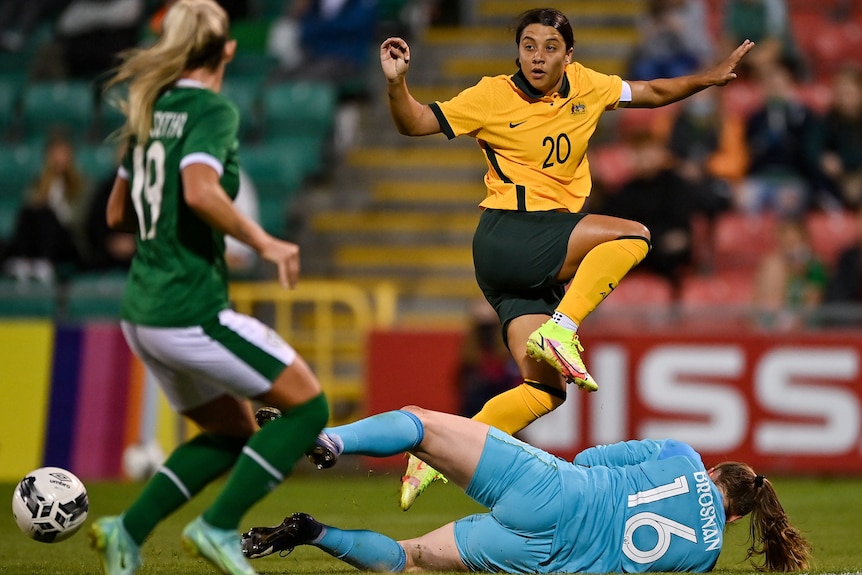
[(324, 454), (296, 529), (266, 415)]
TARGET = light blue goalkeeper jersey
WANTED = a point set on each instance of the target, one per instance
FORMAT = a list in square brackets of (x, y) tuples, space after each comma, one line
[(641, 506)]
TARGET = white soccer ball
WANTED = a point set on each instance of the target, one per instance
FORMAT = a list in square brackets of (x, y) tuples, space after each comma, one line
[(50, 504), (142, 460)]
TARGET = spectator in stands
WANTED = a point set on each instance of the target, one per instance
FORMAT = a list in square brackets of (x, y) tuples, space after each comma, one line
[(673, 40), (19, 18), (767, 23), (335, 34), (486, 367), (790, 280), (841, 143), (845, 284), (48, 226), (781, 136), (660, 199), (91, 33), (705, 144), (106, 248)]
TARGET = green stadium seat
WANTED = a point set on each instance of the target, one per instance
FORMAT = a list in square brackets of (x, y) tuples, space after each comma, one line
[(273, 172), (9, 206), (273, 214), (250, 65), (94, 297), (48, 105), (10, 90), (96, 161), (26, 300), (19, 165), (110, 118), (244, 94), (309, 151), (298, 108)]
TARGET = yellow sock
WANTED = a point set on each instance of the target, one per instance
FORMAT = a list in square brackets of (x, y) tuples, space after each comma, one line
[(599, 273), (513, 410)]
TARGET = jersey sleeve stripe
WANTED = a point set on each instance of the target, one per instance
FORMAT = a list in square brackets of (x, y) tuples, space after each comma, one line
[(202, 158), (441, 119)]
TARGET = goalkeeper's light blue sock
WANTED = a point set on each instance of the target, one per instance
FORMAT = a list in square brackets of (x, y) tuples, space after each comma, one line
[(381, 435), (365, 550)]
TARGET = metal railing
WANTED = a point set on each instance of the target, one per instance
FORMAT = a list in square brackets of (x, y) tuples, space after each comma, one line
[(327, 322)]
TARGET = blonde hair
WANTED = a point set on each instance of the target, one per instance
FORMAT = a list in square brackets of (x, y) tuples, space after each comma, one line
[(771, 535), (194, 34), (71, 178)]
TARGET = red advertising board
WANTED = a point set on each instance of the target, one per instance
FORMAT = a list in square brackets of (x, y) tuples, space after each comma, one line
[(781, 403)]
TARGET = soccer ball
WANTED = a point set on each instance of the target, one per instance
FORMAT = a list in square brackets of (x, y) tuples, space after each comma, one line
[(50, 504)]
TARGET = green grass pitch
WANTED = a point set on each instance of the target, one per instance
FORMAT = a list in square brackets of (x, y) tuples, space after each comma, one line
[(827, 510)]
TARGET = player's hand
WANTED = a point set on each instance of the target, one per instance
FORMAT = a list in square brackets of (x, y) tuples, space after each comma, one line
[(394, 58), (285, 255), (726, 71)]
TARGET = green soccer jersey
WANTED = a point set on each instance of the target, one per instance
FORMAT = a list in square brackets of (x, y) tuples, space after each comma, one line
[(178, 277)]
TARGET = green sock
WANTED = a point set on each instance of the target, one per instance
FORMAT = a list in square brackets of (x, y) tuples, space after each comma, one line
[(187, 471), (266, 460)]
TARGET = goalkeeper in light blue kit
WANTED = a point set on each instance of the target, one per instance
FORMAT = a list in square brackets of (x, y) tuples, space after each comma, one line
[(630, 507)]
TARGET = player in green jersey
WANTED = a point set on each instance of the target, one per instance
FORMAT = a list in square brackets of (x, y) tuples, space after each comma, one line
[(533, 240), (174, 190)]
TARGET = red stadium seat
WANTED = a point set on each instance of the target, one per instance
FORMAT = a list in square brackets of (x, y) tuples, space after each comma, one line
[(611, 164), (640, 289), (741, 240), (831, 232), (728, 288)]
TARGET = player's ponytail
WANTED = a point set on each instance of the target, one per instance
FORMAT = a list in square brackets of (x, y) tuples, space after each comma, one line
[(194, 33), (771, 535)]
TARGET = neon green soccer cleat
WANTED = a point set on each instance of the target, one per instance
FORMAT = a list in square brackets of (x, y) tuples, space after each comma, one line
[(221, 547), (418, 476), (119, 554), (561, 348)]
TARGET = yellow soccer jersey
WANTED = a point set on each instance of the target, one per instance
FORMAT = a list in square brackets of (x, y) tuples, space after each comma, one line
[(535, 145)]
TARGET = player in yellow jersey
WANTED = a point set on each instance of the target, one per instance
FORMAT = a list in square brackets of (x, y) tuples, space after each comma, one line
[(532, 240)]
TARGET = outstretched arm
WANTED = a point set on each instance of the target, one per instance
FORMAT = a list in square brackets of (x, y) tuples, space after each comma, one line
[(664, 91), (411, 117), (619, 454)]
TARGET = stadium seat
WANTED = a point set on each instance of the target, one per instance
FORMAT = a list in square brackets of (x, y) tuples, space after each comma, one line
[(110, 118), (9, 93), (96, 161), (307, 151), (294, 108), (611, 164), (9, 206), (741, 240), (94, 297), (19, 164), (727, 288), (831, 232), (48, 105), (244, 93), (274, 172), (252, 66), (640, 289), (27, 300), (273, 214)]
